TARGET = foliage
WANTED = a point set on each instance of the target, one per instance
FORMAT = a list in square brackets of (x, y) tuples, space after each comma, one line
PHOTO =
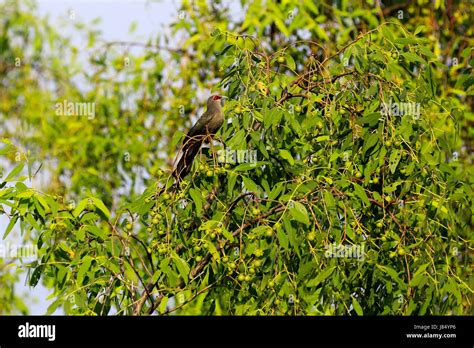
[(327, 96)]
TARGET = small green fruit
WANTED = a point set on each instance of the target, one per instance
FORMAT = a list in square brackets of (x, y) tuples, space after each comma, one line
[(401, 251), (358, 175), (155, 221), (209, 173), (379, 224), (241, 277), (298, 108), (198, 258), (269, 232), (281, 59), (129, 226), (388, 143)]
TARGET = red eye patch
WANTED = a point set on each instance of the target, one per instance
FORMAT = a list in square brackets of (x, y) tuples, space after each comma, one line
[(216, 97)]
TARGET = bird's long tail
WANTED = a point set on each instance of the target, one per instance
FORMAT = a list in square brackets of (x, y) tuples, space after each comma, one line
[(185, 158)]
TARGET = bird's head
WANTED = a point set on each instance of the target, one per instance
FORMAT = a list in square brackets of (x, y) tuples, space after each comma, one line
[(214, 100)]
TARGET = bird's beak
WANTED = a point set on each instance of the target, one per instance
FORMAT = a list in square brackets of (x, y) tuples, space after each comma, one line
[(222, 100)]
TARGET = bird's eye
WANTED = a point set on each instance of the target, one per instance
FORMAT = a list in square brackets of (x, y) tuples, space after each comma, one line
[(216, 97)]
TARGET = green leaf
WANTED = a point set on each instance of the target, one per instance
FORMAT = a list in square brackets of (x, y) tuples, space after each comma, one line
[(299, 212), (96, 231), (101, 206), (12, 222), (80, 207), (14, 172), (419, 29), (357, 307), (164, 302), (196, 196), (43, 202), (32, 222), (35, 277), (411, 57), (406, 41), (322, 138), (183, 267), (285, 154), (282, 238), (213, 250), (156, 276), (394, 159), (243, 167), (290, 62), (370, 142), (323, 275), (371, 119), (360, 192), (250, 184), (86, 264), (228, 235), (393, 274), (418, 275)]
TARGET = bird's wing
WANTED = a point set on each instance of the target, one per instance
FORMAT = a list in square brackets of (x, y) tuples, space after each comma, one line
[(200, 126)]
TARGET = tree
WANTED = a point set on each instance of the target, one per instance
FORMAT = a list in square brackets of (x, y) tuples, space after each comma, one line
[(339, 185)]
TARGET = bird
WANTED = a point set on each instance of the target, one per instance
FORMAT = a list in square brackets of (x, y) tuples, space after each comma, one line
[(206, 127)]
